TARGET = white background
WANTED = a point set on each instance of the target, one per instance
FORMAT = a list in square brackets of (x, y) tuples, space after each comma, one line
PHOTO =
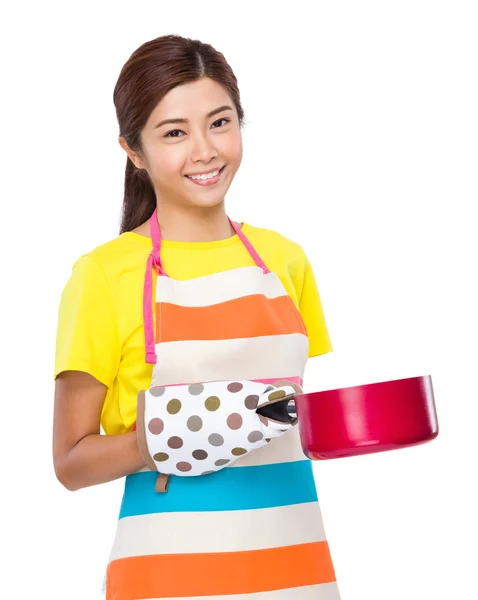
[(361, 144)]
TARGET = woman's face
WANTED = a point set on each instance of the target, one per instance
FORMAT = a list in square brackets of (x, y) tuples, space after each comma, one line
[(204, 142)]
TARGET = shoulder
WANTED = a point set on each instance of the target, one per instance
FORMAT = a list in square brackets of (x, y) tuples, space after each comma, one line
[(116, 256), (274, 245), (271, 236)]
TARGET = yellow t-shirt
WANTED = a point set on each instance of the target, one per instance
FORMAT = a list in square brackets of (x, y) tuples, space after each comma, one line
[(100, 317)]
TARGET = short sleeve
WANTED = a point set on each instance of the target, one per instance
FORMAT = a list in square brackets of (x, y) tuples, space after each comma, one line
[(310, 308), (87, 336)]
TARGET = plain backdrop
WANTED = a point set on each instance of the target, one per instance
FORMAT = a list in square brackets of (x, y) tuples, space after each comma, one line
[(361, 145)]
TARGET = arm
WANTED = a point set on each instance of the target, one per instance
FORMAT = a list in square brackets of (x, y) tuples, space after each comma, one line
[(82, 456)]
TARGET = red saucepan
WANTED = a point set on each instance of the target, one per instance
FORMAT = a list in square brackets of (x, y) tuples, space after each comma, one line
[(367, 418)]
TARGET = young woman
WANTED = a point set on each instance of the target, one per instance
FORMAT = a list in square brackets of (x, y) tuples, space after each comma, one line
[(185, 296)]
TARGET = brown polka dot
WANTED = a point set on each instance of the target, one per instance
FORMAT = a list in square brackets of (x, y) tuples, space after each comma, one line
[(175, 442), (215, 439), (161, 456), (200, 454), (207, 472), (173, 406), (194, 423), (263, 420), (268, 439), (235, 387), (157, 391), (255, 436), (196, 388), (239, 451), (251, 402), (183, 467), (277, 394), (234, 421), (221, 462), (156, 426), (212, 403)]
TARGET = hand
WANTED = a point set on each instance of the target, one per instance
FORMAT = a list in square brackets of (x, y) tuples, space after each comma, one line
[(197, 429)]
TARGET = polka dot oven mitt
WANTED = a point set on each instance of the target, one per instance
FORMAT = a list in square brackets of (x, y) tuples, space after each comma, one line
[(197, 429)]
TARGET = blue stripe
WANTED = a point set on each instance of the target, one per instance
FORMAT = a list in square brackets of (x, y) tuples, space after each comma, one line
[(236, 488)]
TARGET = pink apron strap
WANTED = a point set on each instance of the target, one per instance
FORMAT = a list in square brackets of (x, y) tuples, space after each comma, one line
[(154, 260), (257, 259)]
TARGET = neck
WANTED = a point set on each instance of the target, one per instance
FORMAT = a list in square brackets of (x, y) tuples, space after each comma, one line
[(194, 224)]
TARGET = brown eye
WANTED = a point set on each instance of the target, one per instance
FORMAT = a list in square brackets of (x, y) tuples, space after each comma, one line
[(223, 119), (175, 130)]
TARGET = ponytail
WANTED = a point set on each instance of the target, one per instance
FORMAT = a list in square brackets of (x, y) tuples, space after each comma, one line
[(139, 197)]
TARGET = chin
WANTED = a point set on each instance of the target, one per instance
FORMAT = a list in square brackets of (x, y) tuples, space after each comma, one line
[(204, 200), (205, 203)]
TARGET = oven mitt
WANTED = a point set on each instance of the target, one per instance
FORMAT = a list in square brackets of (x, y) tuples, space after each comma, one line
[(196, 429)]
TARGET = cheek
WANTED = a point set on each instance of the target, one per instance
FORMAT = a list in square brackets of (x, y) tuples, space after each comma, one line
[(233, 150), (168, 164)]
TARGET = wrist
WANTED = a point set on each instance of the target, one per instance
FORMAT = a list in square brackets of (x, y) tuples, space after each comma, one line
[(139, 461)]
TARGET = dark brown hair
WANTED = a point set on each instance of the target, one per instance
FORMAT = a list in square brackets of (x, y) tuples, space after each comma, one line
[(149, 74)]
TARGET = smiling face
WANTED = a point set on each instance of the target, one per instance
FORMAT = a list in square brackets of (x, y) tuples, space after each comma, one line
[(209, 138)]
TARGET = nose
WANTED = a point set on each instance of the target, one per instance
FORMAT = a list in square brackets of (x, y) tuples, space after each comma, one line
[(203, 148)]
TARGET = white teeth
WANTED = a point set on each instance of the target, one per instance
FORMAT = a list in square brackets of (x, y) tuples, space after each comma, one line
[(208, 176)]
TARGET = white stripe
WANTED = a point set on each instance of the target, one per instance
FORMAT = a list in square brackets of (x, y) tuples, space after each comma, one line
[(324, 591), (218, 531), (260, 357), (219, 287)]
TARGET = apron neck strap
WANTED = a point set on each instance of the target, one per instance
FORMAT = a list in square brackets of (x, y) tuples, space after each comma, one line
[(257, 259), (154, 261), (156, 239)]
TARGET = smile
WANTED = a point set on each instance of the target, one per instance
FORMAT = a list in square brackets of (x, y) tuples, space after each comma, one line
[(208, 179)]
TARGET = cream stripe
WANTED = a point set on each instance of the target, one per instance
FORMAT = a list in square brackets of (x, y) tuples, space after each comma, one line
[(219, 287), (324, 591), (261, 357), (218, 531)]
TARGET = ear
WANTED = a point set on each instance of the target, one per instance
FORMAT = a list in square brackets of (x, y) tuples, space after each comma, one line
[(134, 156)]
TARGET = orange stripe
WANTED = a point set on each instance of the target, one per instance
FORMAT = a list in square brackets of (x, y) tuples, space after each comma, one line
[(248, 316), (184, 575)]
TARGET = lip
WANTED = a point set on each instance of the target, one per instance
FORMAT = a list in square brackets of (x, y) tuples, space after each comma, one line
[(207, 182), (205, 172)]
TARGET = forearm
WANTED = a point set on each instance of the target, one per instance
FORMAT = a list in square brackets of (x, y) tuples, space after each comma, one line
[(100, 458)]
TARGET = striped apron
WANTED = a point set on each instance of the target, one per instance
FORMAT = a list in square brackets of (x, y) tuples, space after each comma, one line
[(252, 530)]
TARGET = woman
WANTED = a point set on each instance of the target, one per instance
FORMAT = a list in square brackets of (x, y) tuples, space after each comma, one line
[(182, 296)]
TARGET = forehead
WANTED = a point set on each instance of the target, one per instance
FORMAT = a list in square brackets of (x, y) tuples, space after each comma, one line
[(190, 101)]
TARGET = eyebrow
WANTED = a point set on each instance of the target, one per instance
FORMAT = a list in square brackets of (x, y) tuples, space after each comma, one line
[(179, 120)]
